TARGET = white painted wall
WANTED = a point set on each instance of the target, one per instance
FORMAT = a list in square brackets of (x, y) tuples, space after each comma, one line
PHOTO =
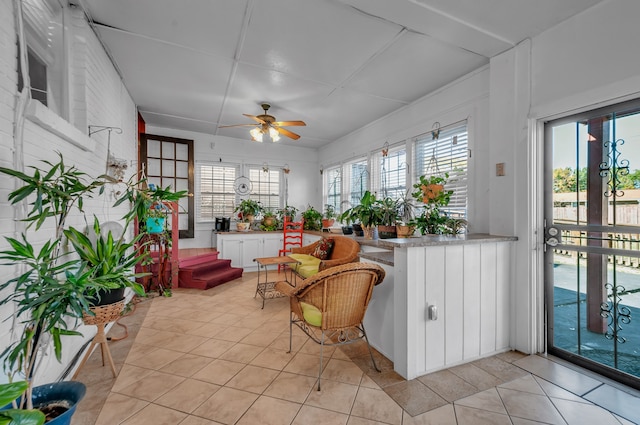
[(466, 98), (98, 97), (587, 61), (303, 179)]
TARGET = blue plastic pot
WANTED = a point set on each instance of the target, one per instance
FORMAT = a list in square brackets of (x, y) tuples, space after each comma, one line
[(155, 224), (71, 391)]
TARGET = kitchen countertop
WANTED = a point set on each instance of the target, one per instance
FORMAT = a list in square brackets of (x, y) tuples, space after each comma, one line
[(383, 257)]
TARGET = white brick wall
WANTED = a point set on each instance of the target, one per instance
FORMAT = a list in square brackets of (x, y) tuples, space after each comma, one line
[(98, 97)]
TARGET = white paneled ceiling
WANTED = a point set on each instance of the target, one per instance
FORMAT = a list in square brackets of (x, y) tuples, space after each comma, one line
[(335, 64)]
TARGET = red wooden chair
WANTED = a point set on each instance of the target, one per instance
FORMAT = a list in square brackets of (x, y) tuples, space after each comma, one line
[(292, 237)]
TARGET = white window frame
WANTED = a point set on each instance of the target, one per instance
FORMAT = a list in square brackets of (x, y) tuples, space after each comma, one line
[(380, 165), (46, 38), (257, 195), (231, 192), (350, 195), (332, 182)]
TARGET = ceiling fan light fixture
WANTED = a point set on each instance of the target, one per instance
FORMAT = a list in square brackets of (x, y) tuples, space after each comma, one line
[(256, 134), (273, 133)]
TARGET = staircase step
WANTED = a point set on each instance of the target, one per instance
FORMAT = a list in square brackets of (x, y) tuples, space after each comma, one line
[(212, 279), (198, 270), (198, 259)]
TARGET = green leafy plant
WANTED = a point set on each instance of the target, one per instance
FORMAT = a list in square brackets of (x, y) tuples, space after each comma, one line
[(111, 260), (366, 213), (433, 220), (8, 394), (287, 211), (269, 221), (406, 209), (312, 219), (329, 212), (247, 209), (148, 201), (51, 290), (387, 211)]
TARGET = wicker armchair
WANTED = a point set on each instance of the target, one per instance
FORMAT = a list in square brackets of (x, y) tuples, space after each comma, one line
[(345, 250), (330, 306)]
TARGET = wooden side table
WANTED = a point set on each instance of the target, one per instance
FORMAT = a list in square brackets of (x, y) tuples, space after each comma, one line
[(265, 288)]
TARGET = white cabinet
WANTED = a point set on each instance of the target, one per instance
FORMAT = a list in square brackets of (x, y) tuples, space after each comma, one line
[(243, 248), (308, 239)]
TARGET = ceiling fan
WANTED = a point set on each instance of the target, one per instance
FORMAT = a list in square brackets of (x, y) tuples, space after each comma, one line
[(267, 124)]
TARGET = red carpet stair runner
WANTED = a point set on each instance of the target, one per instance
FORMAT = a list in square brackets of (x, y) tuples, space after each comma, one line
[(206, 271)]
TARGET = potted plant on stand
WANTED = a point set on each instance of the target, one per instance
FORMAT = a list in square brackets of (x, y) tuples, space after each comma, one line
[(388, 213), (150, 205), (433, 220), (366, 214), (312, 219), (247, 210), (52, 291), (329, 216)]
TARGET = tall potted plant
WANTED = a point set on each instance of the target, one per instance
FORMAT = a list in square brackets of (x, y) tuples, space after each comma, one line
[(52, 291), (388, 213), (366, 214)]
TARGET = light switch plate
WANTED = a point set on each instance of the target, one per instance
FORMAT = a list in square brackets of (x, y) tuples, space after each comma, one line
[(500, 169)]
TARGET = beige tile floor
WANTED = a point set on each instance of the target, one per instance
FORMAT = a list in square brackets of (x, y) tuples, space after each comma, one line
[(215, 357)]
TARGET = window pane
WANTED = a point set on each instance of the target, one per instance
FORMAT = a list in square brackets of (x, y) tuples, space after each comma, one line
[(358, 181), (217, 195), (266, 187), (333, 188), (392, 174), (168, 150), (44, 30)]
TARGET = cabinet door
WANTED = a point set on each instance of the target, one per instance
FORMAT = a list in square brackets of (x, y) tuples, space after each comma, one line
[(272, 244), (308, 239), (252, 247), (231, 249)]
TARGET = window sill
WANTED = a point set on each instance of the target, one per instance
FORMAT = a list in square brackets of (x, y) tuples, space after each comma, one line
[(48, 120)]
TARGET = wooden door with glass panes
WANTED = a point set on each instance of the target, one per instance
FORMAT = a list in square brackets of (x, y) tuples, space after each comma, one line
[(168, 161)]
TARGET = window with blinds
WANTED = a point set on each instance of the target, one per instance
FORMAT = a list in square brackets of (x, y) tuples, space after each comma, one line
[(333, 188), (390, 173), (446, 154), (357, 180), (45, 25), (217, 195), (266, 187)]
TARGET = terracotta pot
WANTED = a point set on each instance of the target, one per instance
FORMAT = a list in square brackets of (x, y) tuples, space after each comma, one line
[(327, 222), (269, 221), (405, 231)]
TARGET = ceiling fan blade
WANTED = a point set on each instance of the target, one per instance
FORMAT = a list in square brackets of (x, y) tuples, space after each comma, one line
[(288, 123), (287, 133), (237, 125), (256, 119)]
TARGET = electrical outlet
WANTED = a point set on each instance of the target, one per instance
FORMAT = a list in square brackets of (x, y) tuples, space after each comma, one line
[(500, 169)]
